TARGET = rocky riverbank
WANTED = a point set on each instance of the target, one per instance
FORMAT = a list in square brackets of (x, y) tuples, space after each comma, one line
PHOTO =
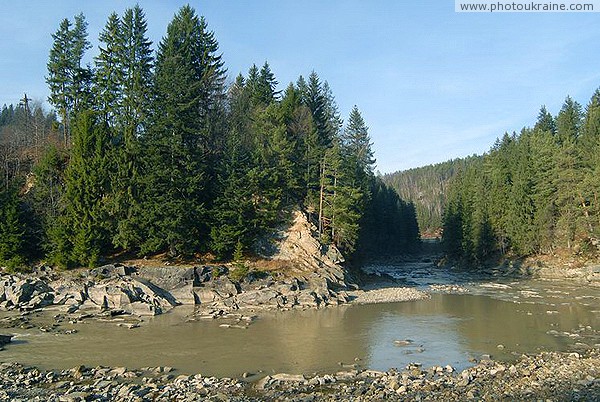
[(545, 376), (296, 272)]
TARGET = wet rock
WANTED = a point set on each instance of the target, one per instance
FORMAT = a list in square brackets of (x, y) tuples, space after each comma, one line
[(4, 339)]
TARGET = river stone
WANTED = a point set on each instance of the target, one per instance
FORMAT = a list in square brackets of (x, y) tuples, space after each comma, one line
[(111, 270), (4, 339), (167, 278), (307, 298), (142, 309), (288, 377), (263, 383)]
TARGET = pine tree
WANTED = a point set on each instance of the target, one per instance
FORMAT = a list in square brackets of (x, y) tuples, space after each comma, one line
[(543, 148), (136, 64), (342, 202), (588, 190), (298, 123), (357, 145), (263, 85), (568, 121), (545, 121), (48, 190), (234, 215), (179, 146)]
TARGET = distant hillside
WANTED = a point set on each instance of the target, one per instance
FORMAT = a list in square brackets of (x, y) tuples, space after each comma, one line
[(426, 188)]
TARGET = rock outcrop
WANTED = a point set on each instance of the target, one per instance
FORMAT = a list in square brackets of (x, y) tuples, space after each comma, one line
[(312, 277)]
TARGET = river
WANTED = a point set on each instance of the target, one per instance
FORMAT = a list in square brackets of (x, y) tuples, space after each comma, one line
[(501, 318)]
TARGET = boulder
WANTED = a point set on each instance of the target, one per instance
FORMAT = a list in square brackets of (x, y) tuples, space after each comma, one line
[(205, 295), (111, 270), (224, 286), (258, 297), (27, 293), (307, 298), (142, 309), (167, 278), (136, 296), (184, 294)]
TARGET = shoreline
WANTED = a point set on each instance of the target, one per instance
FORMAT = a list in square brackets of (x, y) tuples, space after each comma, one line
[(555, 375), (545, 375)]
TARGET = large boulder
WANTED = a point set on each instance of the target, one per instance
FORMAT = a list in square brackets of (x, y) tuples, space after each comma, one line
[(167, 277), (259, 297), (135, 295), (27, 293)]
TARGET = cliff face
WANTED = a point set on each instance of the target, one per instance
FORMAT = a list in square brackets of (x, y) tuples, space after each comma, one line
[(298, 244)]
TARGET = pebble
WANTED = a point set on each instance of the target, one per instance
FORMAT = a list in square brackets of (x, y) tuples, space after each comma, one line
[(544, 376)]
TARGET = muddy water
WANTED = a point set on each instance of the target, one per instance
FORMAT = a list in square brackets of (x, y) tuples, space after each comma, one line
[(446, 329)]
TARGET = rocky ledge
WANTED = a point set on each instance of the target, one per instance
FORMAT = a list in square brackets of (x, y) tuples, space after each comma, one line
[(545, 376), (146, 291), (306, 275)]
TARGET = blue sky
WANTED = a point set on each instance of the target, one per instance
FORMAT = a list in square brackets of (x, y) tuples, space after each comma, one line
[(432, 84)]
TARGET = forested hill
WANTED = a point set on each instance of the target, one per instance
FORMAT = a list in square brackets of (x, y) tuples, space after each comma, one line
[(426, 188), (151, 152), (535, 192)]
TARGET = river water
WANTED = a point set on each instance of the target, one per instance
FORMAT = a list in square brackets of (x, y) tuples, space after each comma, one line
[(499, 318)]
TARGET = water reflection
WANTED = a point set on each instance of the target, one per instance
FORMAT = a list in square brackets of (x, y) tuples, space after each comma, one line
[(446, 329)]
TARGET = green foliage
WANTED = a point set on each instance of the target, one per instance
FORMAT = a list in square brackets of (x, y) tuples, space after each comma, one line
[(12, 230), (188, 94), (532, 193), (168, 160), (240, 272), (388, 225), (81, 232), (68, 80), (426, 188)]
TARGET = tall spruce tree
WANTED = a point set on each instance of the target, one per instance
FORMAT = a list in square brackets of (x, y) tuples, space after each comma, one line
[(81, 233), (69, 81), (136, 63), (189, 78), (108, 74)]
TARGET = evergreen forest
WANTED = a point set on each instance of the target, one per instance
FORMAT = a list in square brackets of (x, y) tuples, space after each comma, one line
[(426, 188), (534, 192), (157, 150)]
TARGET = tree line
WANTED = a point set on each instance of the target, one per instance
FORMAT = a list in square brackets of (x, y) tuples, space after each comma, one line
[(154, 152), (426, 188), (535, 192)]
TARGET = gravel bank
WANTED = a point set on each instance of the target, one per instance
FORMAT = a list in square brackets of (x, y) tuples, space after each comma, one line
[(390, 294), (545, 376)]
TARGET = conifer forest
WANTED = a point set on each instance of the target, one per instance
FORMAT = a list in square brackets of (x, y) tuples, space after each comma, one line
[(155, 149)]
